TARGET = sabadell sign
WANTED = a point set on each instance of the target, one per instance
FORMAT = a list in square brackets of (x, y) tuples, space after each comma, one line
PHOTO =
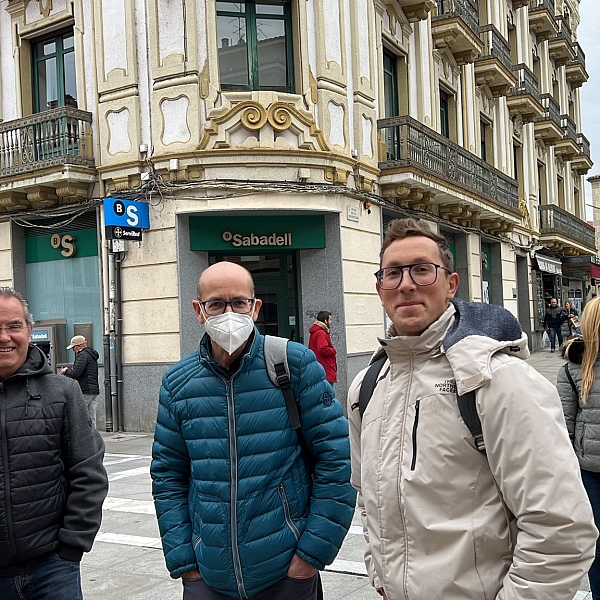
[(237, 239), (249, 234)]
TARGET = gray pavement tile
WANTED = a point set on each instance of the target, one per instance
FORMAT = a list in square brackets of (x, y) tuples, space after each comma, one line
[(129, 523), (350, 587), (106, 584)]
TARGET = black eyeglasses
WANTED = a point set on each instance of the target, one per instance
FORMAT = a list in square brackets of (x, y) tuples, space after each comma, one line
[(13, 327), (218, 307), (421, 273)]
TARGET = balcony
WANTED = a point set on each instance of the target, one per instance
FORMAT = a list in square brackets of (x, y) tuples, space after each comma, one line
[(560, 46), (524, 98), (411, 147), (575, 71), (542, 22), (548, 127), (456, 26), (494, 67), (414, 10), (582, 163), (46, 157), (567, 147), (561, 229)]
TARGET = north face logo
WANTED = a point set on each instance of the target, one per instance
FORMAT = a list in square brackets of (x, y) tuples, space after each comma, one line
[(446, 386)]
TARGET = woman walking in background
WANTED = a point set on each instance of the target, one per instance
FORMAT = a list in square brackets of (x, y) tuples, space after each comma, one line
[(578, 384), (572, 319)]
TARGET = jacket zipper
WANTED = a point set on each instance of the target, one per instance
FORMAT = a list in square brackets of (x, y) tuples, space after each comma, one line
[(286, 511), (237, 564), (414, 436), (5, 467)]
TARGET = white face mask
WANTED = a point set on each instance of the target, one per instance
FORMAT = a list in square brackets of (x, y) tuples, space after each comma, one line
[(229, 330)]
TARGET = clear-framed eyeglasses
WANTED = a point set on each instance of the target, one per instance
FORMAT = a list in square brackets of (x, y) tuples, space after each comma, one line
[(242, 306), (422, 274)]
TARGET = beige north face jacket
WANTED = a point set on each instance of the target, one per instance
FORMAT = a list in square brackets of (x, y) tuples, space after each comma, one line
[(442, 520)]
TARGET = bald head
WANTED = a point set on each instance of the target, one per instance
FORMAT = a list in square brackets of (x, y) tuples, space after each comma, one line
[(224, 274)]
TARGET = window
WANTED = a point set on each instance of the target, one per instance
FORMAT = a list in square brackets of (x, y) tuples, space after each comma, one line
[(255, 45), (391, 108), (487, 142), (54, 79), (444, 114)]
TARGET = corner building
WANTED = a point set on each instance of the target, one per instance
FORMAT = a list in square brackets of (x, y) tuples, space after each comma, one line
[(283, 135)]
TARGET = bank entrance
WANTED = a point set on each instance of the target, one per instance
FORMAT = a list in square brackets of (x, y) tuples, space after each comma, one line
[(275, 282)]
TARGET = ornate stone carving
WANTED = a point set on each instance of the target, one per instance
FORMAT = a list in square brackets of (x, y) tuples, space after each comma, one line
[(45, 7)]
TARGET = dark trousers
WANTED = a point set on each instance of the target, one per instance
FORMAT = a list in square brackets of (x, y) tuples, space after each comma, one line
[(591, 481), (284, 589), (554, 333), (52, 579)]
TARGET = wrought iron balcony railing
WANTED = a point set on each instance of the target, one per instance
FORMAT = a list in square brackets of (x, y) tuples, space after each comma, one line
[(564, 31), (584, 144), (554, 219), (569, 127), (551, 109), (527, 82), (495, 45), (47, 139), (541, 4), (409, 143), (465, 9)]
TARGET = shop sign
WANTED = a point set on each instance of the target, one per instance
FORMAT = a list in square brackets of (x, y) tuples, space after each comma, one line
[(40, 335), (248, 234), (549, 265), (116, 232), (64, 245), (125, 219)]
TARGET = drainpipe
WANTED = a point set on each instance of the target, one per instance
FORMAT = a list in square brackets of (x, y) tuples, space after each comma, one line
[(111, 337), (119, 341)]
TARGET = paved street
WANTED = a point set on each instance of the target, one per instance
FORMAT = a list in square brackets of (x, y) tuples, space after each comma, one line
[(126, 562)]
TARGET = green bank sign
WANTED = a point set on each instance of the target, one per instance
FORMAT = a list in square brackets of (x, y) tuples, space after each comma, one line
[(251, 234), (64, 245)]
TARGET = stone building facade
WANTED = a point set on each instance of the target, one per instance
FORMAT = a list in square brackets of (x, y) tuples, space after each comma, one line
[(284, 135)]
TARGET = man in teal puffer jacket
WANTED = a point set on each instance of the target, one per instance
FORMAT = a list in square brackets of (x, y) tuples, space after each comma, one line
[(240, 515)]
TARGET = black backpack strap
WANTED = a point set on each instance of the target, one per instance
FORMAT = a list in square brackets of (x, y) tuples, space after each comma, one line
[(369, 382), (570, 378), (469, 414), (283, 382)]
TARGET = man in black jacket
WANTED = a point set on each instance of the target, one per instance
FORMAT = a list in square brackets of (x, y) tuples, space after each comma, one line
[(553, 320), (85, 371), (52, 480)]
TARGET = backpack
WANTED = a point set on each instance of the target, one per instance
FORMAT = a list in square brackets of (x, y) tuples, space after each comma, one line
[(466, 402), (278, 369)]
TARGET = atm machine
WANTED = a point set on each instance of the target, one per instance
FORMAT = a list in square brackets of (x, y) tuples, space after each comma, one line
[(51, 338)]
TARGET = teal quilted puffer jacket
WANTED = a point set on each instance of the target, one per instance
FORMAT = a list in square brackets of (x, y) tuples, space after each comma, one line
[(232, 493)]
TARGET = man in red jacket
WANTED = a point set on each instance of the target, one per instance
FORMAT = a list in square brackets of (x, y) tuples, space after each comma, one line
[(320, 344)]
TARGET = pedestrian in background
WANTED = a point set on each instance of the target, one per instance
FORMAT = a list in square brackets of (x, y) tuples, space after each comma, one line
[(578, 384), (52, 478), (242, 513), (553, 320), (320, 343), (85, 371), (572, 317)]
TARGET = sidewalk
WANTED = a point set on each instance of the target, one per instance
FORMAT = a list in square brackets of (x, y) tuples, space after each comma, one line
[(126, 562)]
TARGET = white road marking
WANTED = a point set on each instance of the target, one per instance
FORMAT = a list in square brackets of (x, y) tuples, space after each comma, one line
[(124, 460), (140, 507), (128, 540), (355, 530), (129, 473)]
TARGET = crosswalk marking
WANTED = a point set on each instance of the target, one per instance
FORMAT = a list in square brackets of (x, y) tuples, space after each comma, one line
[(128, 540), (118, 461), (140, 507), (129, 473)]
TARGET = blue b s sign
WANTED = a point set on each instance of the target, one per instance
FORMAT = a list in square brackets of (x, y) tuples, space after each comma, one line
[(126, 213)]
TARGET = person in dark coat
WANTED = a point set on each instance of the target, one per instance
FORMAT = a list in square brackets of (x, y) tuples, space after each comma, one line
[(85, 371), (52, 478), (553, 320), (320, 343)]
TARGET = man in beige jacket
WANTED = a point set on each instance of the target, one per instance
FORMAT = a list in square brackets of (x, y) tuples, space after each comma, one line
[(442, 519)]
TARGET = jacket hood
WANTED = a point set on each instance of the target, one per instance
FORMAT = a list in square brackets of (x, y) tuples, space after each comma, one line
[(36, 363), (92, 353), (479, 331), (318, 325), (575, 348)]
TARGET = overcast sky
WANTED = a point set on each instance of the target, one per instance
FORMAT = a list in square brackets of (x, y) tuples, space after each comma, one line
[(588, 36)]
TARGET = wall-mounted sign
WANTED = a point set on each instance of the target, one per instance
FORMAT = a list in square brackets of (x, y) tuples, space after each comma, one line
[(248, 234), (40, 335), (116, 232), (126, 213), (61, 245), (549, 265)]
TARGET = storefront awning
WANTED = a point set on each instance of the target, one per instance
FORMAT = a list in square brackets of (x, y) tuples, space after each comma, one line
[(595, 271), (550, 265)]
